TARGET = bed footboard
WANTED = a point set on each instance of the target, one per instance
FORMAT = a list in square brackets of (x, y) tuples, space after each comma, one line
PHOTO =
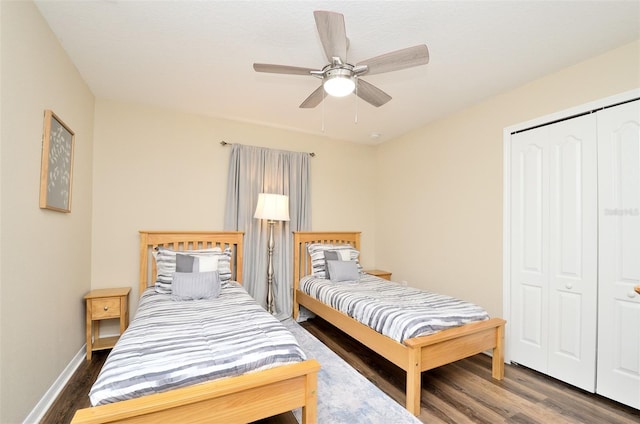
[(421, 353), (445, 347), (241, 399)]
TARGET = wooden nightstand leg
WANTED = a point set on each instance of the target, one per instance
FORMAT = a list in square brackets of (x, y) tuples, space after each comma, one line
[(88, 329), (124, 314)]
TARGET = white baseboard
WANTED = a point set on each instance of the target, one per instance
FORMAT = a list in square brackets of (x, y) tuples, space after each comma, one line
[(41, 408)]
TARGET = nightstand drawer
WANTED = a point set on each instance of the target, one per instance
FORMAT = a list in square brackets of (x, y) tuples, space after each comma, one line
[(107, 307)]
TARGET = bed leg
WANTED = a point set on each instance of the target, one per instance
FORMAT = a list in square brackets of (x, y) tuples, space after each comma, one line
[(310, 408), (413, 381), (497, 364)]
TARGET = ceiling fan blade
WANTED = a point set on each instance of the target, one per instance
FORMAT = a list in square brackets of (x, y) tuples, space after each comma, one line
[(371, 94), (396, 60), (314, 99), (332, 34), (281, 69)]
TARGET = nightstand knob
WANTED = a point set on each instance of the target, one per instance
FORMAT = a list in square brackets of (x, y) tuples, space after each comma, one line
[(106, 308)]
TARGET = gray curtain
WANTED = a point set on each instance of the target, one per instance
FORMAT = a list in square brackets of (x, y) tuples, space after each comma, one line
[(254, 170)]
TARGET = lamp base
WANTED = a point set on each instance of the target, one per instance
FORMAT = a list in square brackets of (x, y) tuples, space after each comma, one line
[(270, 303)]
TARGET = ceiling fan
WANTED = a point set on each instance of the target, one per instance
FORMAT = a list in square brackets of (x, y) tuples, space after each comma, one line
[(341, 78)]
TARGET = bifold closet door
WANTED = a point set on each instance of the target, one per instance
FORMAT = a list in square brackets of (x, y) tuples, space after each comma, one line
[(554, 250), (573, 251), (530, 248), (619, 253)]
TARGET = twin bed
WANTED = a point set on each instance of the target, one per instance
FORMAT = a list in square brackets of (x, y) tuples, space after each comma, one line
[(473, 333), (124, 390), (285, 380)]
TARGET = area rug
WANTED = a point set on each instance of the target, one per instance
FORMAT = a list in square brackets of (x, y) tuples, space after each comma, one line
[(345, 396)]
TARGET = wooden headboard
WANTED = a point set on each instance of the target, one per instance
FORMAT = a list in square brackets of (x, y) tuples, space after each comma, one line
[(187, 240), (301, 260)]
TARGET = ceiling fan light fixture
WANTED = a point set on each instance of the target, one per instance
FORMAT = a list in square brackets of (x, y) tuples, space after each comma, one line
[(339, 83)]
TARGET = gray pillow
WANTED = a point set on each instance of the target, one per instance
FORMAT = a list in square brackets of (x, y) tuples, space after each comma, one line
[(343, 271), (185, 263), (330, 255), (195, 285)]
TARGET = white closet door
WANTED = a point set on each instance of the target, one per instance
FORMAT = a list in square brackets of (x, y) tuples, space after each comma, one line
[(573, 251), (529, 248), (619, 251), (554, 250)]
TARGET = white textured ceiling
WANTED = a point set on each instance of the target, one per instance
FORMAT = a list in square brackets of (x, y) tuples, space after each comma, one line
[(197, 56)]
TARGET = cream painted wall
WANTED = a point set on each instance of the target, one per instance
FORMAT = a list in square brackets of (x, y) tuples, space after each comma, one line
[(158, 169), (440, 225), (45, 255)]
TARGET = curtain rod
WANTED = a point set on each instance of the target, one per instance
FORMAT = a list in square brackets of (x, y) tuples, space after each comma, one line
[(224, 143)]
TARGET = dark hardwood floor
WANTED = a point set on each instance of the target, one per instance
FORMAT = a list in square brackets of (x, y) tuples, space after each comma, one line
[(462, 392)]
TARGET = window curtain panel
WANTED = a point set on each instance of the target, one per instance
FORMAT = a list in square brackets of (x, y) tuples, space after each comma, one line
[(254, 170)]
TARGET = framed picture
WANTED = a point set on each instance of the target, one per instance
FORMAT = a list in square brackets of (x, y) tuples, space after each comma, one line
[(56, 172)]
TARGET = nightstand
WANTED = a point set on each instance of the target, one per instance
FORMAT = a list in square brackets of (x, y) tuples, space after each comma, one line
[(379, 273), (105, 304)]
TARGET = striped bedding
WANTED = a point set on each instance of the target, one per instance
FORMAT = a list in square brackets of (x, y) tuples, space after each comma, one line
[(396, 311), (172, 344)]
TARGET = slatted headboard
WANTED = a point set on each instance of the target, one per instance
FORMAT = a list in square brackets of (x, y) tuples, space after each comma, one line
[(301, 259), (187, 240)]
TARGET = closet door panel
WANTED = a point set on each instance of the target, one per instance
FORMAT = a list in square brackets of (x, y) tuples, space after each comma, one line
[(529, 268), (568, 314), (627, 334), (619, 253), (573, 257)]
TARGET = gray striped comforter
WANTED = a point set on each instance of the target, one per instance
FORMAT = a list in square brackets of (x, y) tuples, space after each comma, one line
[(173, 344), (391, 309)]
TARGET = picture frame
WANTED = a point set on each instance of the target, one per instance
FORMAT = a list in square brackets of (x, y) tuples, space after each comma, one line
[(56, 171)]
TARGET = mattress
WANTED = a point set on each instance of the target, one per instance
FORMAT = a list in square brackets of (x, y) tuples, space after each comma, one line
[(172, 344), (397, 311)]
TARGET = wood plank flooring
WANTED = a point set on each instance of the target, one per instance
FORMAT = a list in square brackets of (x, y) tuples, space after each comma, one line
[(463, 392)]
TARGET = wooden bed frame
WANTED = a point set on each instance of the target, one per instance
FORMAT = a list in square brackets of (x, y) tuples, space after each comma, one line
[(240, 399), (414, 355)]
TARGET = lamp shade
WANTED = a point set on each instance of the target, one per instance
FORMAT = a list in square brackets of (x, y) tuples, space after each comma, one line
[(274, 207)]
